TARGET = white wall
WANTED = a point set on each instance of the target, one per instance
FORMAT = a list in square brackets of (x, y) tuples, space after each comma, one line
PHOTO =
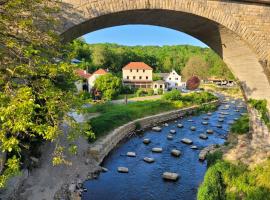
[(137, 74)]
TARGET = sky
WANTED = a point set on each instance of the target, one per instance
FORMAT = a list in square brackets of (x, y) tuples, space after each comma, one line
[(132, 35)]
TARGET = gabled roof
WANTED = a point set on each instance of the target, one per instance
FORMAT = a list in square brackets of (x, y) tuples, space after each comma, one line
[(82, 73), (100, 72), (137, 65)]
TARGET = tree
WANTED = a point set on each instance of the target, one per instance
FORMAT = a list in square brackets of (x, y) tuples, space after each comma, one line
[(196, 66), (36, 82), (109, 85)]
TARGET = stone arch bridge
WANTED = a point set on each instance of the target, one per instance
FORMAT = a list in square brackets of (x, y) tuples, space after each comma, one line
[(238, 31)]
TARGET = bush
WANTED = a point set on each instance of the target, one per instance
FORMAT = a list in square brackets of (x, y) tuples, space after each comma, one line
[(212, 158), (127, 90), (140, 92), (150, 92), (261, 106), (173, 95), (160, 91), (241, 126)]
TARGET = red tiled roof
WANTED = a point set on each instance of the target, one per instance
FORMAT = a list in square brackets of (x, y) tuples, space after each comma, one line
[(100, 71), (82, 73), (137, 65)]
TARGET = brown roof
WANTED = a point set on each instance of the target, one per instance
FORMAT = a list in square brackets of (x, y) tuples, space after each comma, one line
[(136, 81), (82, 73), (100, 71), (137, 65)]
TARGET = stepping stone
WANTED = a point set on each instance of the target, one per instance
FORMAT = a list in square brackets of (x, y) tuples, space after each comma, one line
[(157, 128), (203, 136), (104, 169), (209, 131), (193, 128), (131, 154), (204, 123), (170, 176), (243, 114), (175, 152), (230, 122), (220, 120), (175, 121), (235, 119), (157, 150), (205, 118), (180, 125), (170, 137), (219, 126), (173, 131), (237, 110), (209, 114), (186, 141), (190, 120), (122, 169), (166, 124), (146, 141), (149, 160), (194, 147)]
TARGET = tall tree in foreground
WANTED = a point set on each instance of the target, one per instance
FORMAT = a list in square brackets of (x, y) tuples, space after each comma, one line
[(36, 85)]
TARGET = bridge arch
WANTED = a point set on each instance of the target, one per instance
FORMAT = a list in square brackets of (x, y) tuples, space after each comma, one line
[(234, 40)]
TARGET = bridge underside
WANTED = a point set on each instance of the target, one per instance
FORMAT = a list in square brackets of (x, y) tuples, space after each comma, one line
[(237, 54)]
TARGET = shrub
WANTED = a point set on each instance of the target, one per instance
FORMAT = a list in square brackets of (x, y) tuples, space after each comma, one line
[(241, 126), (261, 106), (160, 91), (140, 92), (173, 95), (212, 158), (150, 92)]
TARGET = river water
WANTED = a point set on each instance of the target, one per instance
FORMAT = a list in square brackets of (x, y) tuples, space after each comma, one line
[(144, 181)]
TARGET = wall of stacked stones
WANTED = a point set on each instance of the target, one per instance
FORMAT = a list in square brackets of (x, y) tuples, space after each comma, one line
[(102, 147)]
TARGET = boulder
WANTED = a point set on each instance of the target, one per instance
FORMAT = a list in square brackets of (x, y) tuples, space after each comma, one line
[(186, 141), (209, 114), (180, 125), (104, 169), (131, 154), (157, 128), (203, 136), (205, 118), (122, 169), (170, 137), (170, 176), (157, 150), (166, 124), (72, 187), (176, 152), (172, 131), (219, 126), (194, 147), (193, 128), (190, 120), (209, 131), (149, 160), (146, 141), (235, 119), (204, 123), (220, 120)]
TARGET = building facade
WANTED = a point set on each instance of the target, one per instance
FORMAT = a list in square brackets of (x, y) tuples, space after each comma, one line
[(138, 75)]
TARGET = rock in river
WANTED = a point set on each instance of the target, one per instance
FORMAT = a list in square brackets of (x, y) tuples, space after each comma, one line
[(203, 136), (173, 131), (204, 123), (146, 141), (157, 150), (176, 152), (170, 137), (149, 160), (186, 141), (170, 176), (209, 131), (157, 128), (193, 128), (122, 169), (194, 147), (166, 124), (180, 125), (131, 154)]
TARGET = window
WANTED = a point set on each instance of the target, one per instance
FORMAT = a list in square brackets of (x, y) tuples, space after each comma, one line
[(131, 70), (143, 70), (134, 77), (127, 77), (155, 86), (170, 78), (176, 84), (146, 77), (160, 86), (140, 77), (137, 70), (176, 78)]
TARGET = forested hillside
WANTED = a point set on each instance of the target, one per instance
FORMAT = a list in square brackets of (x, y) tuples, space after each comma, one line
[(183, 58)]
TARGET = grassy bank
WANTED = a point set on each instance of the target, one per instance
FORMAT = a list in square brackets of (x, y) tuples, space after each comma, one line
[(241, 126), (228, 91), (115, 115)]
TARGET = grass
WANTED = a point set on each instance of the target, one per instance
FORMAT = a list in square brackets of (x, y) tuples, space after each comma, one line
[(230, 91), (241, 126), (122, 96), (115, 115), (227, 181)]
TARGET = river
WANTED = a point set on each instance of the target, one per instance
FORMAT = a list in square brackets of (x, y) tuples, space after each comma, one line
[(144, 181)]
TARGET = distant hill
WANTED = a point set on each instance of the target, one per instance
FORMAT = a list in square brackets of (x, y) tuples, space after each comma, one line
[(197, 60)]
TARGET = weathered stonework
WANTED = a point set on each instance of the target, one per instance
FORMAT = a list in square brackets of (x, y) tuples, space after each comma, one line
[(103, 146), (236, 30)]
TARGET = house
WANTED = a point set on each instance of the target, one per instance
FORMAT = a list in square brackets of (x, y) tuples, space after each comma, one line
[(88, 80), (173, 79), (159, 85), (138, 75)]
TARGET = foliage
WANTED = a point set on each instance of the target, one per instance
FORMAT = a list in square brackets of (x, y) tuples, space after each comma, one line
[(160, 91), (241, 126), (173, 95), (141, 92), (212, 158), (36, 82), (199, 98), (162, 59), (239, 181), (150, 92), (261, 106), (156, 77), (109, 85)]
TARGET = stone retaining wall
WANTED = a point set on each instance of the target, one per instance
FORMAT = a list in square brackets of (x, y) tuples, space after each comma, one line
[(104, 145)]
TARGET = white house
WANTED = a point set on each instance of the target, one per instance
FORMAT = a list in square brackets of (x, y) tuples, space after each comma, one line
[(159, 85), (88, 80), (174, 80), (137, 74)]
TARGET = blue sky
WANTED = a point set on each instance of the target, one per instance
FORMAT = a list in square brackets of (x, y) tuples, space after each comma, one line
[(141, 35)]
